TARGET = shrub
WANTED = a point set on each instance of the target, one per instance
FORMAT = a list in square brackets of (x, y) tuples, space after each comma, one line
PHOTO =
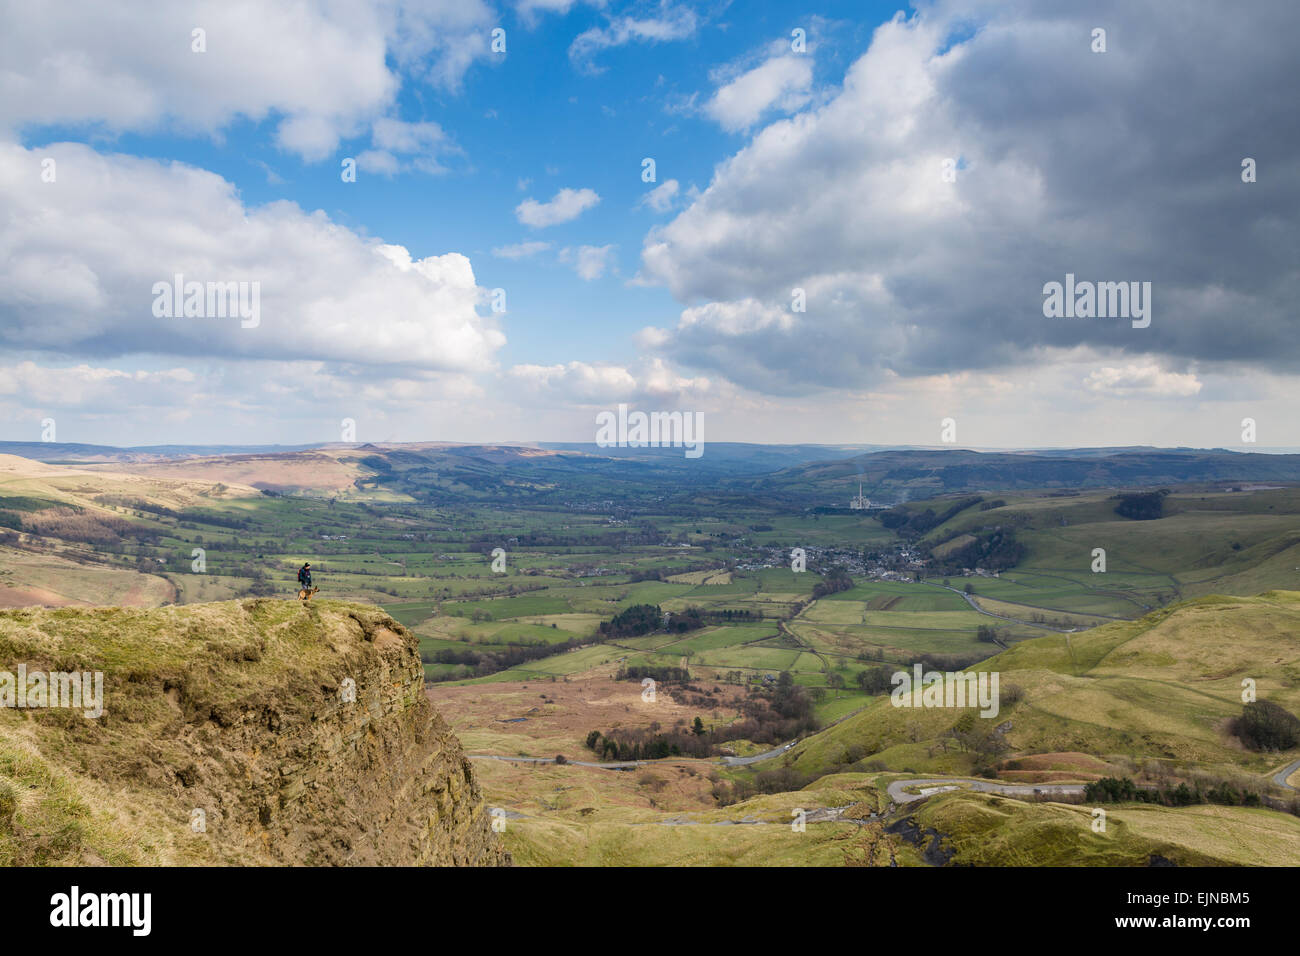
[(1264, 725)]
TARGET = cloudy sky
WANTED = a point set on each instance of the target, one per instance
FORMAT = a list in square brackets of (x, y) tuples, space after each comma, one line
[(487, 221)]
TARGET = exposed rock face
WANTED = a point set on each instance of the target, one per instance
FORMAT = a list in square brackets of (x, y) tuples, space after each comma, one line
[(377, 780), (285, 734)]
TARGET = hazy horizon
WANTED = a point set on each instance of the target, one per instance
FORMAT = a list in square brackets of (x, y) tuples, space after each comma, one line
[(867, 447)]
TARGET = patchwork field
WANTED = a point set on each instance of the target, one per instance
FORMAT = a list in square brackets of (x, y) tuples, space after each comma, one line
[(1103, 673)]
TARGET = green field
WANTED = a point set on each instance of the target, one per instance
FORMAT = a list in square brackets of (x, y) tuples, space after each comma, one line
[(1147, 680)]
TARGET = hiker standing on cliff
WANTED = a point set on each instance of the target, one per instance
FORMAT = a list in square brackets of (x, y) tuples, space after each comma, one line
[(304, 575)]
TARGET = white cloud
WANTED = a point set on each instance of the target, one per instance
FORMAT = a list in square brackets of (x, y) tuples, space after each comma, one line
[(530, 10), (661, 198), (80, 257), (578, 381), (272, 177), (1145, 379), (84, 385), (403, 137), (590, 262), (566, 205), (520, 250), (249, 401), (670, 22), (586, 383), (378, 161), (781, 83), (737, 318), (422, 142), (321, 69)]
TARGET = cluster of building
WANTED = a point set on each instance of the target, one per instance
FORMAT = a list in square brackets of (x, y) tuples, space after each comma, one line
[(895, 565)]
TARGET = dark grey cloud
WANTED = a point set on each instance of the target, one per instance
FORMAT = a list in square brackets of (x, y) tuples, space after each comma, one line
[(1115, 166)]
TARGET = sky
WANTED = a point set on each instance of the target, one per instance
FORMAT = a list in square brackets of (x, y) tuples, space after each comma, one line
[(483, 221)]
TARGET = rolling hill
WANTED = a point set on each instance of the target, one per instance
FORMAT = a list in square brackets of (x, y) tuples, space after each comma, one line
[(1162, 688)]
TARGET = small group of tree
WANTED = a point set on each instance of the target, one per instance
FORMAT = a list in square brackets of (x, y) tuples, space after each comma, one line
[(875, 680), (931, 661), (1124, 790), (138, 505), (987, 634), (646, 745), (776, 712), (832, 582), (732, 614), (635, 621), (992, 550), (1264, 725), (660, 675), (780, 780), (1143, 505), (76, 524), (645, 574), (973, 734), (481, 661), (679, 622)]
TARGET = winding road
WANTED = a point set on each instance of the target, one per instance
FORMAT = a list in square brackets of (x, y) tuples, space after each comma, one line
[(1280, 777), (897, 792)]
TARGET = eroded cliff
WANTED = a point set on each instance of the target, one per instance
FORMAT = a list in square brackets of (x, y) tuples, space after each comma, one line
[(242, 732)]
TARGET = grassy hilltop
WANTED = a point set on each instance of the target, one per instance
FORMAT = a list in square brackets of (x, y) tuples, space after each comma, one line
[(1162, 687), (1152, 695), (233, 709)]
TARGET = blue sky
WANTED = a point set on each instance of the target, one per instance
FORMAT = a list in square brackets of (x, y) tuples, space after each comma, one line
[(818, 169), (527, 124)]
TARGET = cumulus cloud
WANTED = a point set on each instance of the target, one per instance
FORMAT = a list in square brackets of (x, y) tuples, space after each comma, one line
[(662, 197), (249, 401), (1065, 161), (668, 22), (81, 386), (421, 143), (588, 383), (530, 11), (782, 83), (590, 262), (564, 206), (1146, 379), (80, 258), (322, 70), (578, 381)]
